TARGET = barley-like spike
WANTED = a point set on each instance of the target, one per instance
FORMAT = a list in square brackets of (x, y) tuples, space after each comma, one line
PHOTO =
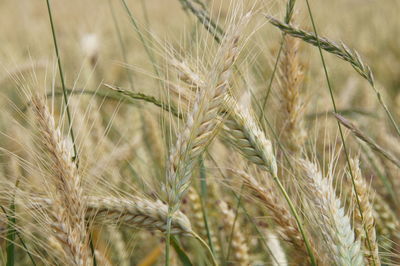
[(137, 212), (248, 138), (201, 122), (339, 50), (277, 252), (291, 107), (69, 209), (287, 227), (336, 225)]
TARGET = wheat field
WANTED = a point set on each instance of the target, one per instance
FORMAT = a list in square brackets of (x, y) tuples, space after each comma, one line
[(199, 132)]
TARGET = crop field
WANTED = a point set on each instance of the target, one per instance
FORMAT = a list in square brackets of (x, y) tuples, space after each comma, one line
[(199, 132)]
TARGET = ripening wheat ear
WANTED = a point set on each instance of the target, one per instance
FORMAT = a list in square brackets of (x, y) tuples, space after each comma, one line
[(248, 138), (137, 212), (239, 125), (335, 225), (202, 121), (69, 208), (195, 212), (365, 227), (343, 52), (285, 222), (251, 141), (387, 224), (291, 106), (278, 256)]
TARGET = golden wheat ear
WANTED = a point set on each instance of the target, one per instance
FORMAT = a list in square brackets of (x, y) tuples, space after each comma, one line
[(202, 121), (69, 207)]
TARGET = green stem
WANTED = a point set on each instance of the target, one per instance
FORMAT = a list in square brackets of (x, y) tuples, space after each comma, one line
[(273, 75), (214, 261), (239, 200), (121, 43), (75, 158), (168, 239), (203, 186), (339, 125), (260, 234), (297, 218), (141, 37)]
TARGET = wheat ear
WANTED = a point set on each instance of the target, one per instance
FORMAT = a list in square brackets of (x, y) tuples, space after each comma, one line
[(335, 224), (366, 222), (119, 246), (248, 138), (137, 212), (371, 143), (196, 213), (283, 219), (343, 52), (277, 251), (239, 125), (69, 209), (291, 77), (251, 141), (201, 122)]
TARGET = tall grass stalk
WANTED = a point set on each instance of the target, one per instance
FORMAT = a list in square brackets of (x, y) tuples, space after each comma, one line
[(335, 109), (61, 73)]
